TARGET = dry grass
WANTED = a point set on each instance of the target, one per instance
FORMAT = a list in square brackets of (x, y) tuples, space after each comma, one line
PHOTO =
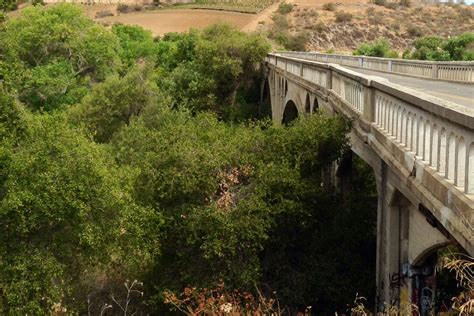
[(399, 24)]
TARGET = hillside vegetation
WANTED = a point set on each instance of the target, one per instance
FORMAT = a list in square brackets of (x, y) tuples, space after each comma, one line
[(343, 27)]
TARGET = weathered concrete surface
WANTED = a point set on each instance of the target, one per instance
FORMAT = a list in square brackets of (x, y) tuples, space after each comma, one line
[(459, 93), (415, 144)]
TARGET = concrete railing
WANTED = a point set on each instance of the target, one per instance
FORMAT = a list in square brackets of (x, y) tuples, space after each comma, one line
[(439, 70), (441, 135)]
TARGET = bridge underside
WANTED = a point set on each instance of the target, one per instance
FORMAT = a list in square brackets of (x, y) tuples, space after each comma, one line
[(411, 222)]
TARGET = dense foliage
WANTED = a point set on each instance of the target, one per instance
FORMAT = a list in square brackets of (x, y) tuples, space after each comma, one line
[(460, 47), (378, 48), (124, 156)]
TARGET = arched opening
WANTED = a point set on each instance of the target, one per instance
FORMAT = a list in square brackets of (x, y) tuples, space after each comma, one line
[(404, 128), (307, 106), (420, 137), (414, 137), (399, 127), (290, 113), (461, 164), (434, 285), (427, 143), (451, 157), (265, 103), (409, 131), (434, 147), (470, 171), (315, 105), (442, 151)]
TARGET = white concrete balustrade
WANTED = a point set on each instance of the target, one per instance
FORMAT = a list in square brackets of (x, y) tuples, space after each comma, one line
[(449, 71), (443, 144)]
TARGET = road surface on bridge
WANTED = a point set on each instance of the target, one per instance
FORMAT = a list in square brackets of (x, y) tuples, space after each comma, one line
[(459, 93)]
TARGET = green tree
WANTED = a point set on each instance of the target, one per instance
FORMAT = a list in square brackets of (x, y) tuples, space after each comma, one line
[(461, 47), (378, 48), (7, 5), (116, 102), (217, 65), (65, 215), (51, 55), (136, 43)]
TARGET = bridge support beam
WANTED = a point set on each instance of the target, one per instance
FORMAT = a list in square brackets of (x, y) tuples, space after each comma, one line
[(392, 242)]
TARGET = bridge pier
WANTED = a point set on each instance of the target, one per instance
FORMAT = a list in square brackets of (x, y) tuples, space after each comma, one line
[(404, 138), (392, 243)]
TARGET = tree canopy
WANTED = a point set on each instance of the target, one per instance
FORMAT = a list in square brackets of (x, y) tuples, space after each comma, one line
[(124, 156)]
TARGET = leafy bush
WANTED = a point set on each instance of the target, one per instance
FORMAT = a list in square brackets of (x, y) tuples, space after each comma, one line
[(437, 48), (285, 8), (52, 67), (460, 47), (379, 2), (342, 16), (378, 48)]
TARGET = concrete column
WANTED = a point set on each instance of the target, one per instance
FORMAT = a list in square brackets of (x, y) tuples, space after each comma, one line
[(434, 71), (369, 104), (392, 243), (329, 79)]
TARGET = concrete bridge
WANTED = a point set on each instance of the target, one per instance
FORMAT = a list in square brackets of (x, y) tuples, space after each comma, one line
[(420, 147)]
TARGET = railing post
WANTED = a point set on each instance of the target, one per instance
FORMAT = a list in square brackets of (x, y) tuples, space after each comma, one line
[(301, 70), (369, 104), (389, 66), (329, 79), (434, 71)]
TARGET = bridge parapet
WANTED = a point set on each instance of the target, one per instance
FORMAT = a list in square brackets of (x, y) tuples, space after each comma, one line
[(440, 70), (420, 132)]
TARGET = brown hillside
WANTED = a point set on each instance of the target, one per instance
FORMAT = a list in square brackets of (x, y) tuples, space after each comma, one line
[(400, 25)]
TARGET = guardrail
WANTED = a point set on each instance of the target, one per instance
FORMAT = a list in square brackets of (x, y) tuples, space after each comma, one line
[(440, 135), (439, 70)]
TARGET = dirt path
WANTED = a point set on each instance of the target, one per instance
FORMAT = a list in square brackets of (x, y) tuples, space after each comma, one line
[(262, 17)]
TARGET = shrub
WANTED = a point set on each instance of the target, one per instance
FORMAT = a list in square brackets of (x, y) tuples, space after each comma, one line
[(379, 2), (414, 31), (103, 14), (297, 42), (285, 8), (378, 48), (329, 6), (342, 16), (280, 23), (319, 26)]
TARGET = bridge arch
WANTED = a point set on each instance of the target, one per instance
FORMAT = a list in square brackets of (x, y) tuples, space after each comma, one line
[(307, 106), (290, 113), (315, 105)]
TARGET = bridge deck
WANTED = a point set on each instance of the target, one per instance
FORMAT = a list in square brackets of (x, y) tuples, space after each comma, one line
[(462, 94)]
